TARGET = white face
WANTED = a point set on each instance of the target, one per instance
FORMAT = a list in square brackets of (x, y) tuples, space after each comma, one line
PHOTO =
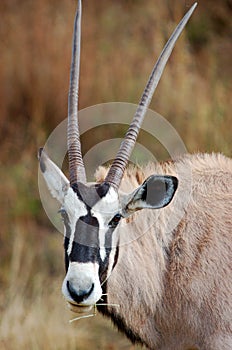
[(91, 214)]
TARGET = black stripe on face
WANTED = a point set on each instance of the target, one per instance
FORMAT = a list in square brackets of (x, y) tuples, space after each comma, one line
[(66, 222), (103, 265), (66, 257), (85, 247), (84, 254)]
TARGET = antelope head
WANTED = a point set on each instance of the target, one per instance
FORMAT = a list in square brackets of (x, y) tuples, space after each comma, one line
[(92, 212)]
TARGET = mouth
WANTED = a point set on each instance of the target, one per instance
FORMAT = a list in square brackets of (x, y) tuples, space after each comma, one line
[(77, 308)]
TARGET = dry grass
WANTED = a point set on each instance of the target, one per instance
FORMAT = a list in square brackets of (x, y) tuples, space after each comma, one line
[(194, 95), (42, 323)]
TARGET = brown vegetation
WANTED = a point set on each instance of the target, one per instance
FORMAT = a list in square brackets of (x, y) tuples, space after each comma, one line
[(120, 42)]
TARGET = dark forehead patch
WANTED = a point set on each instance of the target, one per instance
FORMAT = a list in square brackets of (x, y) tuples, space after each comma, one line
[(102, 189), (90, 195)]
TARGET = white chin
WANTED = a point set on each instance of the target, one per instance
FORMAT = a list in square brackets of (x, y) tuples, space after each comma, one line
[(79, 308)]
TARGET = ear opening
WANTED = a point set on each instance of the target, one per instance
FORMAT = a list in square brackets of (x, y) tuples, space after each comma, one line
[(156, 192)]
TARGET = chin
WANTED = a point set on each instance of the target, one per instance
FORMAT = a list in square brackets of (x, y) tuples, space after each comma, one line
[(77, 308)]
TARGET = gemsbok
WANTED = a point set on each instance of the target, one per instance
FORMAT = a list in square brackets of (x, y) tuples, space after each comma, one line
[(170, 287)]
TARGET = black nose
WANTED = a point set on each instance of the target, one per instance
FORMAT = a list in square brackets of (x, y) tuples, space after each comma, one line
[(79, 295)]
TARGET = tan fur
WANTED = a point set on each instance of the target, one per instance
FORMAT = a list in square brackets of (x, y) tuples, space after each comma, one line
[(173, 282)]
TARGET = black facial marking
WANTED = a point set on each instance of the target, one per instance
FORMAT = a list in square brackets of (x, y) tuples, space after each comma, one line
[(102, 189), (86, 242), (103, 265), (115, 221), (66, 258), (89, 219), (66, 222), (90, 195), (75, 188), (86, 246), (83, 254)]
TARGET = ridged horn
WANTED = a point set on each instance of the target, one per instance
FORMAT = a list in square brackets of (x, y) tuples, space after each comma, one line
[(76, 165), (117, 169)]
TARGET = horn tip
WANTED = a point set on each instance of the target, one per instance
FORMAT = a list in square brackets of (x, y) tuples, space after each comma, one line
[(194, 6)]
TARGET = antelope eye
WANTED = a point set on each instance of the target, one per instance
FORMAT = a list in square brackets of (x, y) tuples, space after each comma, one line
[(114, 222)]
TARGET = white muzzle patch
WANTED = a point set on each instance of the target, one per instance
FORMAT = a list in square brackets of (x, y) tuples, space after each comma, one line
[(82, 280)]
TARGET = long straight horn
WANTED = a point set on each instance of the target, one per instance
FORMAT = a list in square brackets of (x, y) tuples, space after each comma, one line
[(117, 169), (76, 165)]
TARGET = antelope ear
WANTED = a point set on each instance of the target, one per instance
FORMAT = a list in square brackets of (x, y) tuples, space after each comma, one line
[(56, 181), (156, 192)]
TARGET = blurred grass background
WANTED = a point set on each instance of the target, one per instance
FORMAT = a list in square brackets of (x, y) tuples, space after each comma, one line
[(120, 42)]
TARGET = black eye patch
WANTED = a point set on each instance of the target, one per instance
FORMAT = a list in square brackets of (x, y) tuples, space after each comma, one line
[(115, 221)]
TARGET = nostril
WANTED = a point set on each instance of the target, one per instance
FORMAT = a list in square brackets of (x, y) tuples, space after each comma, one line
[(79, 295)]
